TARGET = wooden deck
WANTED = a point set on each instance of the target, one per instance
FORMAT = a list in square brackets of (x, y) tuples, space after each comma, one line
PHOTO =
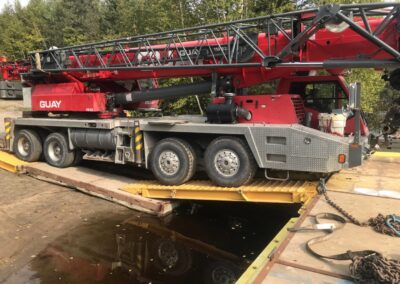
[(365, 192)]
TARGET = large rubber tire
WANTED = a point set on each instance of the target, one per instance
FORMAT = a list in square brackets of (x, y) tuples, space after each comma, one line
[(173, 161), (57, 152), (229, 162), (27, 145), (171, 257), (220, 272)]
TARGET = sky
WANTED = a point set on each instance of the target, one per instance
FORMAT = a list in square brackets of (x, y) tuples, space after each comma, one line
[(3, 2)]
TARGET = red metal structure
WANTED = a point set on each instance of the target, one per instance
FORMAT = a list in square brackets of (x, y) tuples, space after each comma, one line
[(241, 53), (10, 78), (79, 95)]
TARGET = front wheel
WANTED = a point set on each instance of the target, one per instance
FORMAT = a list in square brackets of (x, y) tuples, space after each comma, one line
[(173, 161), (57, 152), (229, 162)]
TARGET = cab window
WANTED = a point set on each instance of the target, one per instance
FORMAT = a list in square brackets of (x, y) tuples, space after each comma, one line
[(321, 96)]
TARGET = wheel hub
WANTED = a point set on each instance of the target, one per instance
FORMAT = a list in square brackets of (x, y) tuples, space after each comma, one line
[(221, 275), (227, 162), (169, 163), (168, 254), (24, 146), (54, 151)]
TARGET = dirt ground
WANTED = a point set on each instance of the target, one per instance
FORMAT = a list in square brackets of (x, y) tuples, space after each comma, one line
[(33, 213)]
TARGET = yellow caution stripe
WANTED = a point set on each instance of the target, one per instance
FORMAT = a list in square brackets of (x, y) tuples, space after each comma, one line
[(138, 137)]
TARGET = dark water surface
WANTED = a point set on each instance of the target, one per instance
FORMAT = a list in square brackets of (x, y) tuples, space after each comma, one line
[(209, 242)]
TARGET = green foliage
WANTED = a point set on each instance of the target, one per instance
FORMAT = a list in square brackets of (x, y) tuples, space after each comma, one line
[(371, 86)]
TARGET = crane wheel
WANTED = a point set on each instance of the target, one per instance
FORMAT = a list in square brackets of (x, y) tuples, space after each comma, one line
[(229, 162), (27, 145), (57, 152), (173, 161)]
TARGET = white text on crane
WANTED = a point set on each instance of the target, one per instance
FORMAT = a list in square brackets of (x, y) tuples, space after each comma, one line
[(49, 104)]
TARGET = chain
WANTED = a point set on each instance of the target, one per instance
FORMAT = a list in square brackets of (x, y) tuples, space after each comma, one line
[(375, 269), (379, 225), (344, 212), (322, 189)]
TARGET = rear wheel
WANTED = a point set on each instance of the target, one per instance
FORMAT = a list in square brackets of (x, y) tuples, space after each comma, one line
[(27, 145), (57, 152), (173, 161), (229, 162)]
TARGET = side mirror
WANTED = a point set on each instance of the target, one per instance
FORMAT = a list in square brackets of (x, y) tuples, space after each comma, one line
[(355, 95)]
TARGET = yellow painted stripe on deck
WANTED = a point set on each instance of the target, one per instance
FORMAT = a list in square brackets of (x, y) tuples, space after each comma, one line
[(259, 191), (387, 154), (9, 162)]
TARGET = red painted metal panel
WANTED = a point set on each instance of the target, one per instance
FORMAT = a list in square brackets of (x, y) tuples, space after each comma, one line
[(67, 97)]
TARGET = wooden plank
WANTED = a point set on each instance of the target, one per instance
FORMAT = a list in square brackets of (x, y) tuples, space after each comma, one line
[(100, 184)]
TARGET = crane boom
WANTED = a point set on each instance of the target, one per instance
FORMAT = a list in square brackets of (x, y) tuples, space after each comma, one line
[(251, 50)]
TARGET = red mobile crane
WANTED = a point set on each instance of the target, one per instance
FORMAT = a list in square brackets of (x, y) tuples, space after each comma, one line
[(302, 127), (10, 79)]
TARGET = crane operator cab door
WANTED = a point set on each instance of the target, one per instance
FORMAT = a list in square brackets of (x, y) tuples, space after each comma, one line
[(326, 97)]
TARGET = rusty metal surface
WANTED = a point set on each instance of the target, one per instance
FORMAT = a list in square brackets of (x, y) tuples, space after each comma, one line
[(291, 262), (284, 274)]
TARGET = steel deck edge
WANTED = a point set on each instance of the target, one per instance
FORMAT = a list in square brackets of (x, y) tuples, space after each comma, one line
[(266, 255)]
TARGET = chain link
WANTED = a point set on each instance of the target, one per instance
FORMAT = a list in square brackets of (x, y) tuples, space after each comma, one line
[(344, 212), (375, 269), (379, 225)]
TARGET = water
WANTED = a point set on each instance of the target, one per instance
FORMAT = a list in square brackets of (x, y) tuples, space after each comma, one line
[(199, 243)]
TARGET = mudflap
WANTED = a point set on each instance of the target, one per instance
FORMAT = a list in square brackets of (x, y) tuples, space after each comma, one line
[(355, 155)]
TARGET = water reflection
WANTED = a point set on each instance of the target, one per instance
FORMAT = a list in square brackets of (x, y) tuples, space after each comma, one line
[(200, 243)]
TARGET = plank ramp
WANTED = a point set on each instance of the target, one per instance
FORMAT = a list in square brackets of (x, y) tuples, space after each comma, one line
[(98, 183)]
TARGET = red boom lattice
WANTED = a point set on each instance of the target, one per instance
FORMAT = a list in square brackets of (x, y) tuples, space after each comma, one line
[(246, 49)]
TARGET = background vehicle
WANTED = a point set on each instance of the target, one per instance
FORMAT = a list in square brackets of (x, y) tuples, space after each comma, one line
[(10, 79)]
